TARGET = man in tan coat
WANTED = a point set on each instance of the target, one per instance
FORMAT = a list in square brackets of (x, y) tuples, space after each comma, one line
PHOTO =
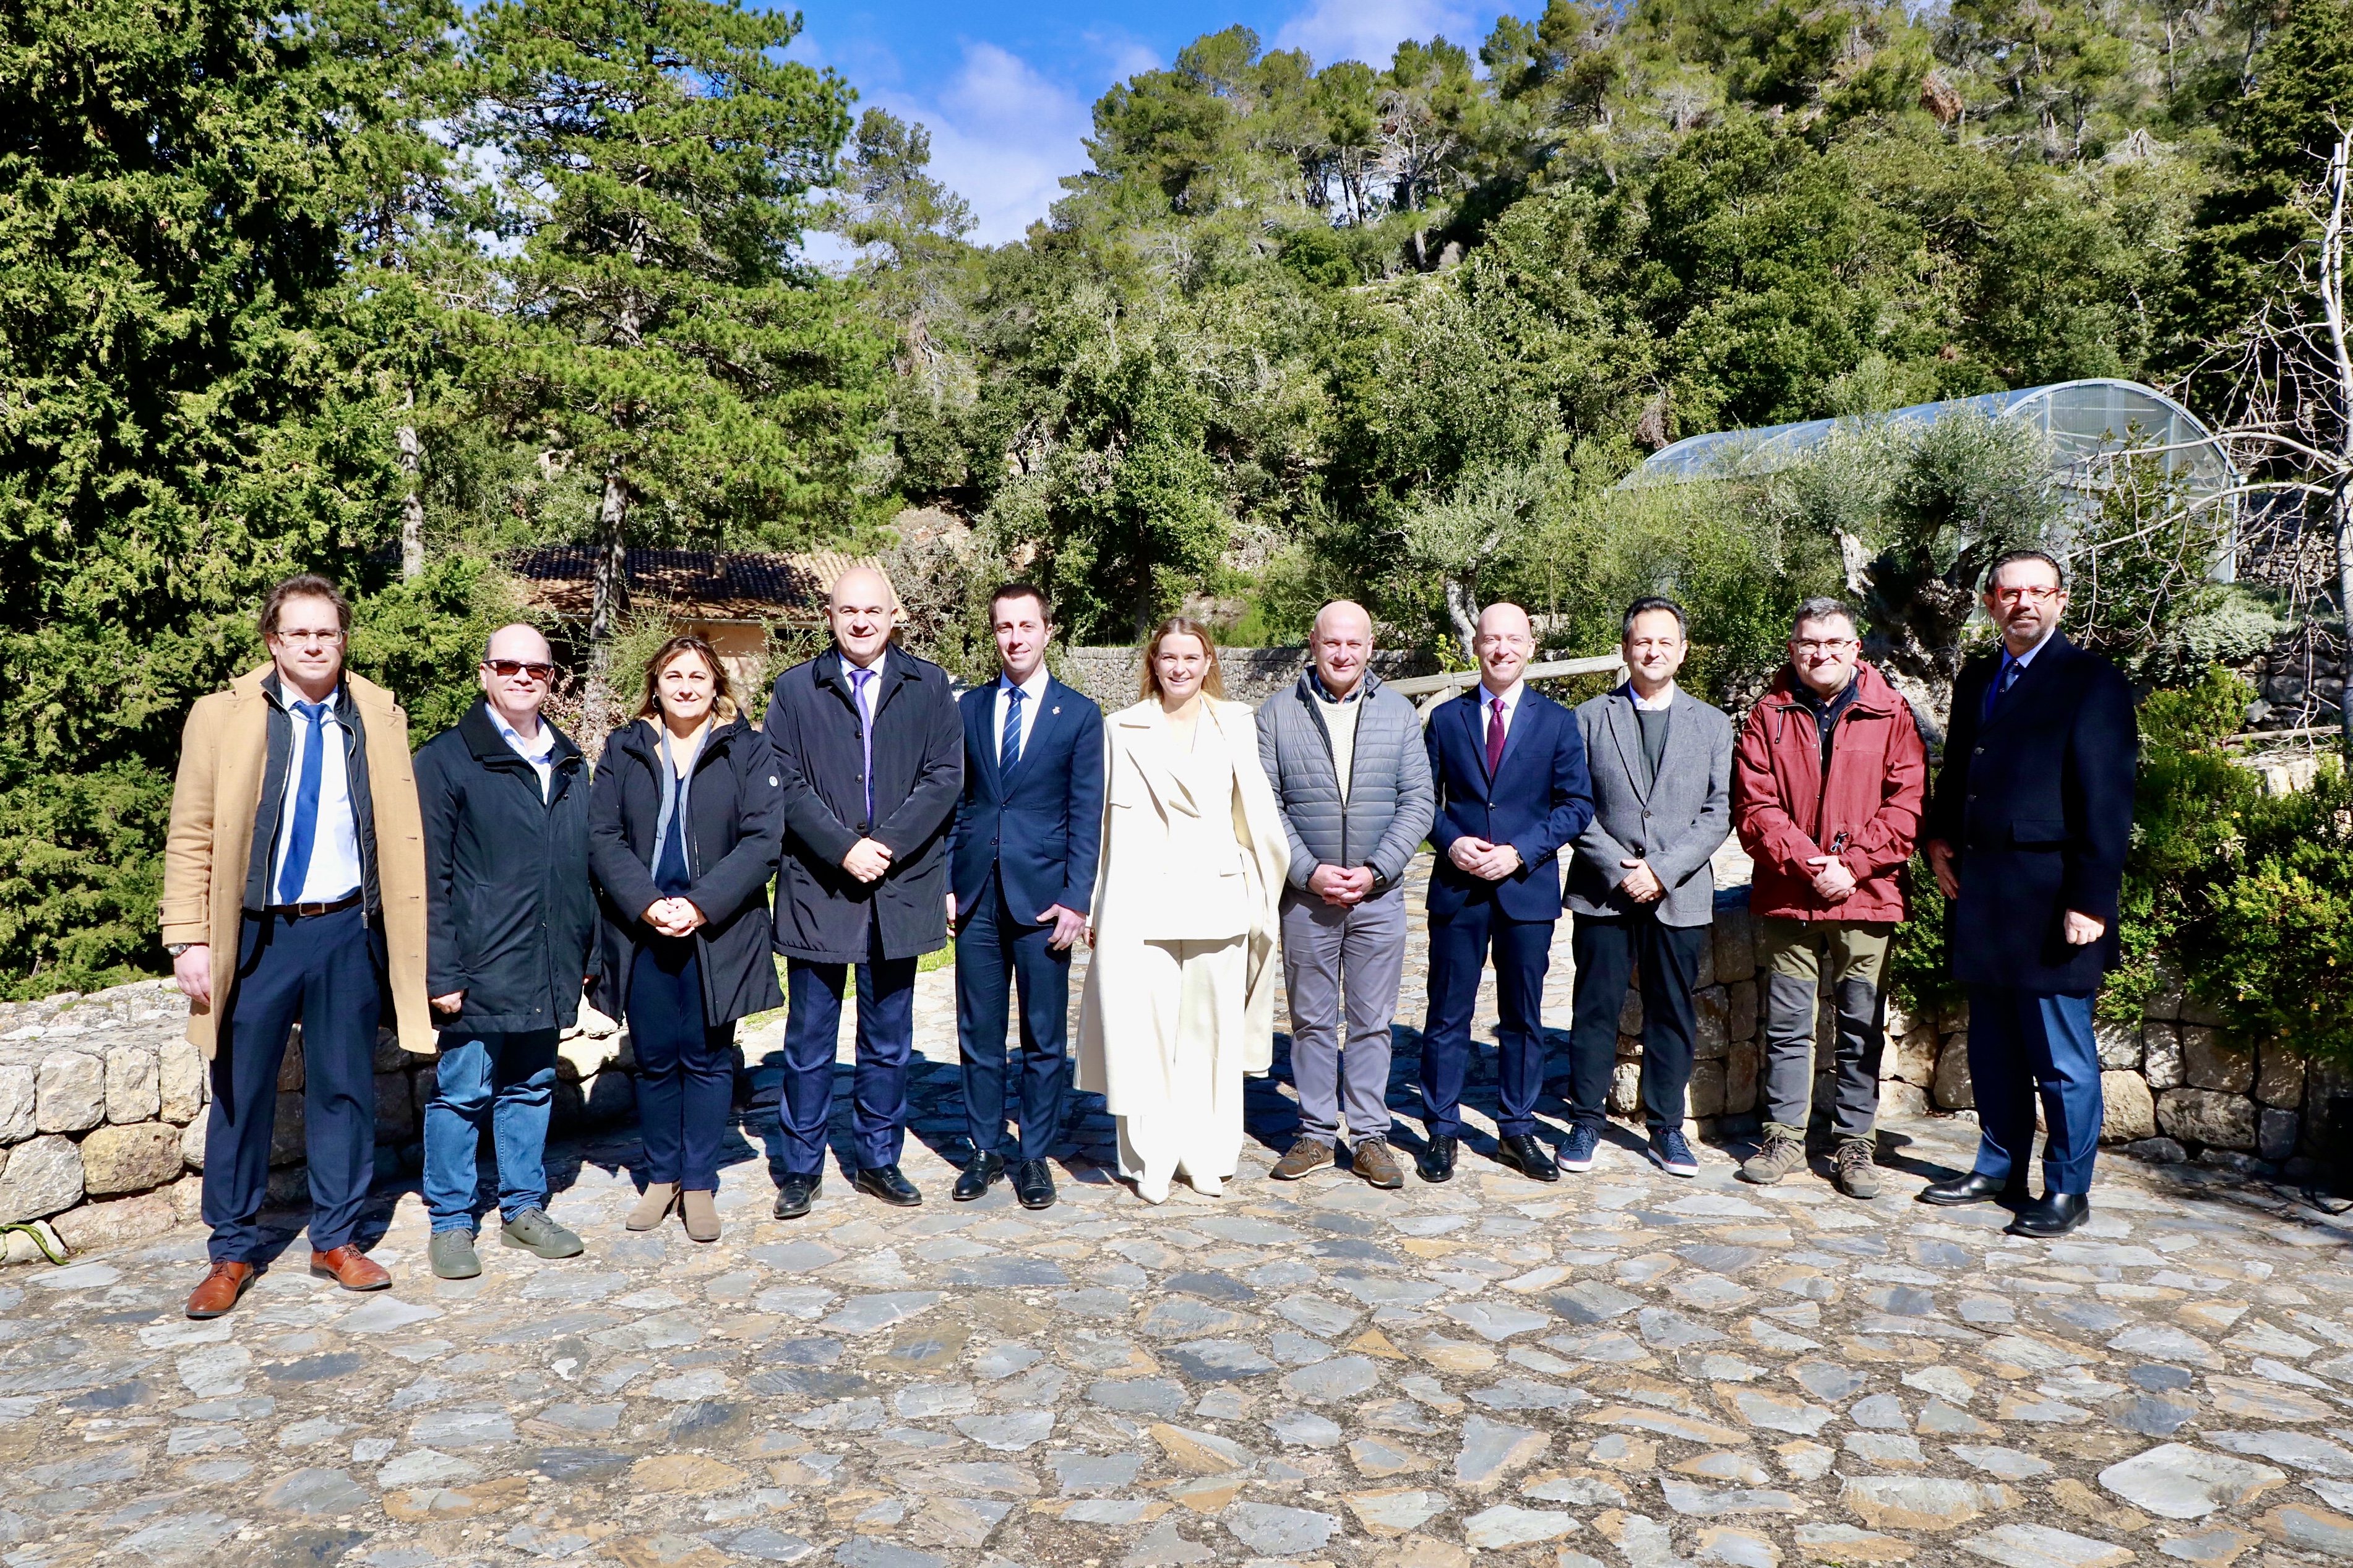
[(294, 888)]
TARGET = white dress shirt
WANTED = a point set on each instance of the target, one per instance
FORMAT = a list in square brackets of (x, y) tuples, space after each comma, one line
[(540, 753), (1511, 696), (334, 870), (1659, 704), (1033, 692)]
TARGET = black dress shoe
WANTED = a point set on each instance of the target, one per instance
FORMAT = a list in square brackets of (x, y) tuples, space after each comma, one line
[(2052, 1214), (884, 1182), (795, 1193), (1522, 1153), (1033, 1184), (1436, 1161), (978, 1173), (1972, 1188)]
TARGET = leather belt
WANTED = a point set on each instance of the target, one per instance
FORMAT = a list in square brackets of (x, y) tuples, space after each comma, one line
[(298, 911)]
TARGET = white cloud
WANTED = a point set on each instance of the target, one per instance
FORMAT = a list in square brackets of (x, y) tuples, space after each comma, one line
[(1370, 30), (1002, 137)]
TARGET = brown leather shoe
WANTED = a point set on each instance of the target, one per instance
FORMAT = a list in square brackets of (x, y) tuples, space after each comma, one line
[(1305, 1154), (349, 1267), (220, 1289)]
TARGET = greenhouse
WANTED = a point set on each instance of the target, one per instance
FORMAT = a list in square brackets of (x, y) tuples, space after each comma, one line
[(2086, 421)]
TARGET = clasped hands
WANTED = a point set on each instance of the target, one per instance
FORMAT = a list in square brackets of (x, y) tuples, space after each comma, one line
[(1492, 862), (674, 916), (1342, 886)]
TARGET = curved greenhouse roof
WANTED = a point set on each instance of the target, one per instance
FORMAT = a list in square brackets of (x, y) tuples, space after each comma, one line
[(2084, 420)]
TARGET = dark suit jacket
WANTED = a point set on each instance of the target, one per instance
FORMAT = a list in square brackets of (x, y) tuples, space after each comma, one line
[(1538, 802), (1040, 826), (2037, 803), (822, 909)]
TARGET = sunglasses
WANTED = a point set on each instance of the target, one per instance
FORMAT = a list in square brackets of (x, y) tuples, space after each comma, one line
[(508, 668)]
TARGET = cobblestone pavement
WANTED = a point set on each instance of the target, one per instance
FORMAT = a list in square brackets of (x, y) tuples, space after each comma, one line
[(1624, 1369)]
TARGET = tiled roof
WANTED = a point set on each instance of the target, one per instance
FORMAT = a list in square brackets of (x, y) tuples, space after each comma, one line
[(696, 584)]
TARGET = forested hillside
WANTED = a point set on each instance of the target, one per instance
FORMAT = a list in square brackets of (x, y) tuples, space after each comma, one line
[(383, 288)]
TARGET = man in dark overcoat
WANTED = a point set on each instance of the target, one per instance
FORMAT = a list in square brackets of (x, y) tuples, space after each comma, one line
[(2027, 836), (872, 752)]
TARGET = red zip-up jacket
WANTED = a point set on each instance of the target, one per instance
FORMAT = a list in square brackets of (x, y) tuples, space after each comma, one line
[(1786, 813)]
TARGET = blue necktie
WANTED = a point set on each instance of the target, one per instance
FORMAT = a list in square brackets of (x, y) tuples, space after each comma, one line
[(1999, 688), (297, 868), (1009, 745), (861, 681)]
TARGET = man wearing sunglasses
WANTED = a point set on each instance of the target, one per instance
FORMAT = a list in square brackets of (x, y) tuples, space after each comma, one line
[(293, 887), (2026, 837), (510, 919)]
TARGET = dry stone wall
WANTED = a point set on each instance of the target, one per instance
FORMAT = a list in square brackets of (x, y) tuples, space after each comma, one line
[(102, 1102)]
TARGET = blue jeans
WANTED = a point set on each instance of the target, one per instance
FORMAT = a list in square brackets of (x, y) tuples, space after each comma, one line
[(507, 1081)]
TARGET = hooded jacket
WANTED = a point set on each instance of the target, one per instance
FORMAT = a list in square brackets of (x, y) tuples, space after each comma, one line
[(1786, 811)]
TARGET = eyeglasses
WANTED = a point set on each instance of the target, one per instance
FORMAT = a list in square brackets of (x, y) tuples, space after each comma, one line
[(508, 668), (1815, 646), (2036, 593), (298, 638)]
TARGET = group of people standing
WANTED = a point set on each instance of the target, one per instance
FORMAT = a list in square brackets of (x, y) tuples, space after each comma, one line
[(315, 871)]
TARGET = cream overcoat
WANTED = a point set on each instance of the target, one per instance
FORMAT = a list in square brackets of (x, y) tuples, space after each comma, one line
[(1146, 893), (223, 749)]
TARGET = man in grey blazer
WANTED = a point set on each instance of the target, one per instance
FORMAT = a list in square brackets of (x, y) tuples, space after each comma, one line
[(1640, 886)]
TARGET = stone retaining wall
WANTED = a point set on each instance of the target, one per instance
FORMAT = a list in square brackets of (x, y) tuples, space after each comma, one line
[(103, 1128)]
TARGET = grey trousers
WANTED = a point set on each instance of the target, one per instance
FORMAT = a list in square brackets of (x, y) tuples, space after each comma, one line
[(1326, 952), (1798, 955)]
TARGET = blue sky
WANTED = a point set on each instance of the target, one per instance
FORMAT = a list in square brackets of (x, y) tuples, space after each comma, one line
[(1007, 88)]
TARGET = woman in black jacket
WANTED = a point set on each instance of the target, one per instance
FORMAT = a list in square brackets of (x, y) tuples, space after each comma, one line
[(685, 825)]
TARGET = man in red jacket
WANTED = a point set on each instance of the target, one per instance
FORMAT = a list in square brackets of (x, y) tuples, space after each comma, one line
[(1828, 784)]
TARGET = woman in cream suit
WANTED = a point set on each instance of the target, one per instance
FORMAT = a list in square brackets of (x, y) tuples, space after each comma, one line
[(1179, 999)]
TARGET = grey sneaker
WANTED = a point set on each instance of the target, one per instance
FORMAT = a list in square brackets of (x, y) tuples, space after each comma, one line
[(1858, 1174), (451, 1254), (535, 1233), (1782, 1153)]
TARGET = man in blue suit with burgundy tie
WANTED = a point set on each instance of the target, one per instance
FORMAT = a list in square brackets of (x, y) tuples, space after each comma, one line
[(1509, 766), (1021, 880)]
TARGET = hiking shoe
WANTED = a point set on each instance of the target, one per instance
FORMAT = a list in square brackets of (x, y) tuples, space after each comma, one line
[(1858, 1173), (451, 1254), (1782, 1153), (1673, 1154), (1305, 1154), (535, 1233), (1578, 1149), (1372, 1159)]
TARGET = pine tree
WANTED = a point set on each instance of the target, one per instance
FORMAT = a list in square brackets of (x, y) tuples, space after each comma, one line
[(657, 327)]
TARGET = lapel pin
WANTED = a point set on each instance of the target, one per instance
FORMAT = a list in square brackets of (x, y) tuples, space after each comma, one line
[(1056, 709)]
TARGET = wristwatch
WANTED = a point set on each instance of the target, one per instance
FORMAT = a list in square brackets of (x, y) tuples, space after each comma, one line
[(176, 948)]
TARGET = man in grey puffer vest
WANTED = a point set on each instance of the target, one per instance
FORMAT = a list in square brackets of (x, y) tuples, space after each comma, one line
[(1350, 773)]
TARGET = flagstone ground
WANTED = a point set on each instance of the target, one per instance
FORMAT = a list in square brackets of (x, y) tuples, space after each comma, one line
[(1623, 1369)]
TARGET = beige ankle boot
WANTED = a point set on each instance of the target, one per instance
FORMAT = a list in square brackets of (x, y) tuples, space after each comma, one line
[(701, 1216), (652, 1208)]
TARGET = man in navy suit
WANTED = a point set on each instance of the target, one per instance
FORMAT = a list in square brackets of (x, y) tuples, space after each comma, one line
[(2026, 837), (1509, 766), (1022, 876)]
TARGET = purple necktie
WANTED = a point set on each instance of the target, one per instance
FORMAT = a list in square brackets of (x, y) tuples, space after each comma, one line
[(1495, 738), (862, 682)]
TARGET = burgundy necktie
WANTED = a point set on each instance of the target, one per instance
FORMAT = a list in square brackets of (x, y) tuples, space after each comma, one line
[(1495, 737)]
